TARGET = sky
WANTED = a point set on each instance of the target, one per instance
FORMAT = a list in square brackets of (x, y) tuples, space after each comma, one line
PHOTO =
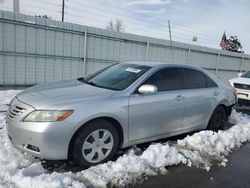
[(204, 19)]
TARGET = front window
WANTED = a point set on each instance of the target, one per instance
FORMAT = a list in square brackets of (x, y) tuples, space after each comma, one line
[(167, 79), (117, 77), (246, 75)]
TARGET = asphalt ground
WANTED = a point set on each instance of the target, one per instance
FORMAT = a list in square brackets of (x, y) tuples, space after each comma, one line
[(235, 175)]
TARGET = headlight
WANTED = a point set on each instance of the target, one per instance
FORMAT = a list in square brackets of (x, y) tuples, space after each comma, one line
[(48, 115)]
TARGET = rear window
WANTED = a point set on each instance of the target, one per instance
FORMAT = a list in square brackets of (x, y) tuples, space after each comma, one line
[(210, 82), (195, 79)]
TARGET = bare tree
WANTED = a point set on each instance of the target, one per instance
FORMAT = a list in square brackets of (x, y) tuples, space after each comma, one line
[(117, 26), (110, 26)]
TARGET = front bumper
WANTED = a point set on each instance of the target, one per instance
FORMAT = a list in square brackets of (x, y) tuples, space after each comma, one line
[(243, 102), (243, 97), (46, 140)]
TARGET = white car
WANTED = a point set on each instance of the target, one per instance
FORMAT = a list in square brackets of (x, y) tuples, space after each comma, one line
[(242, 86)]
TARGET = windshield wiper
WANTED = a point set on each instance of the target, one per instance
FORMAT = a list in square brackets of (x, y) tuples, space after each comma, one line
[(85, 81), (92, 83), (81, 80)]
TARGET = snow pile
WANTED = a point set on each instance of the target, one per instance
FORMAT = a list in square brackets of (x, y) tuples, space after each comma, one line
[(22, 170), (5, 97), (202, 149)]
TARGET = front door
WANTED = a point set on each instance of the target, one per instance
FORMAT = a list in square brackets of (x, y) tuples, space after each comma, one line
[(156, 114)]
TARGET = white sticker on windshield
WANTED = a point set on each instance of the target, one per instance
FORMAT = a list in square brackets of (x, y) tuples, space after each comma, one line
[(133, 70)]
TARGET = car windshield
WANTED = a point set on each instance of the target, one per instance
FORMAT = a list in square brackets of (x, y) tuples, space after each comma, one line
[(246, 75), (116, 77)]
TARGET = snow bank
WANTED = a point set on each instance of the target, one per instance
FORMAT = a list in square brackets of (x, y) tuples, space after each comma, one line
[(202, 149), (22, 170), (5, 97)]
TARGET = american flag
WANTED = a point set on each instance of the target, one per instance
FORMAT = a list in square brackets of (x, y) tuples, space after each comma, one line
[(224, 42)]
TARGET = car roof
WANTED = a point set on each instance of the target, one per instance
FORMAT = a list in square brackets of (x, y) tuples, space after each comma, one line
[(159, 64), (147, 63)]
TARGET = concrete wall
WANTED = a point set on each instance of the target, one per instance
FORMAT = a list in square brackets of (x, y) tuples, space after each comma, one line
[(35, 50)]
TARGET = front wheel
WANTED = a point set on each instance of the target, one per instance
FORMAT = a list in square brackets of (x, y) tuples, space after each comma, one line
[(218, 119), (96, 143)]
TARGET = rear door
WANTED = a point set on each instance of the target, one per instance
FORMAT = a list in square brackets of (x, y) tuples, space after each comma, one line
[(199, 96), (156, 114)]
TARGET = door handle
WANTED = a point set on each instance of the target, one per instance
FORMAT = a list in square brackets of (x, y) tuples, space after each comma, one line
[(216, 93), (179, 97)]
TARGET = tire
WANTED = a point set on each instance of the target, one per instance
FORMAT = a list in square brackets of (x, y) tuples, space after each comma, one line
[(218, 119), (229, 112), (96, 143)]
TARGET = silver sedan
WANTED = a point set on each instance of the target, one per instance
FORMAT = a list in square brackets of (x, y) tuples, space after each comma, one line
[(88, 119)]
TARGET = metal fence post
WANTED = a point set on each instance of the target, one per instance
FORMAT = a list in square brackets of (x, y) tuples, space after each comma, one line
[(241, 64), (217, 64), (188, 55), (147, 51), (85, 52)]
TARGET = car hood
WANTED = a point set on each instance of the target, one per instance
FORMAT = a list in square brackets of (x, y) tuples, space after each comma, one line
[(62, 93), (240, 80)]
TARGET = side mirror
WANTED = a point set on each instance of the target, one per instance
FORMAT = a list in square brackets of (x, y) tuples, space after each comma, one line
[(240, 74), (147, 89)]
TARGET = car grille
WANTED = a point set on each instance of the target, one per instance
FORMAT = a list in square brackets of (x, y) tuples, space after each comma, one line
[(15, 111), (242, 86), (243, 102)]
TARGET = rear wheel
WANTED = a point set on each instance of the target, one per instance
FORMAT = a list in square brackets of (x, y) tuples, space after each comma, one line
[(218, 119), (229, 111), (96, 143)]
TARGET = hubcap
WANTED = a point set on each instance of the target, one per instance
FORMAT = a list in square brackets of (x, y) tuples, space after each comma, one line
[(97, 146)]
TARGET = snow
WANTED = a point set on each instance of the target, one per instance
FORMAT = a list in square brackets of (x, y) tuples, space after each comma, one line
[(202, 149), (5, 97)]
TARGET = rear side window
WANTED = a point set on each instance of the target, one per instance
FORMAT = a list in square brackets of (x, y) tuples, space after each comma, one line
[(210, 82), (194, 79), (167, 79)]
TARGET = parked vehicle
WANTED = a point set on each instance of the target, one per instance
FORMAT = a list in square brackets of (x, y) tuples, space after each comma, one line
[(88, 119), (242, 86)]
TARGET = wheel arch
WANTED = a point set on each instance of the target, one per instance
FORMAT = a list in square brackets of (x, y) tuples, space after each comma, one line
[(228, 109), (116, 124)]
